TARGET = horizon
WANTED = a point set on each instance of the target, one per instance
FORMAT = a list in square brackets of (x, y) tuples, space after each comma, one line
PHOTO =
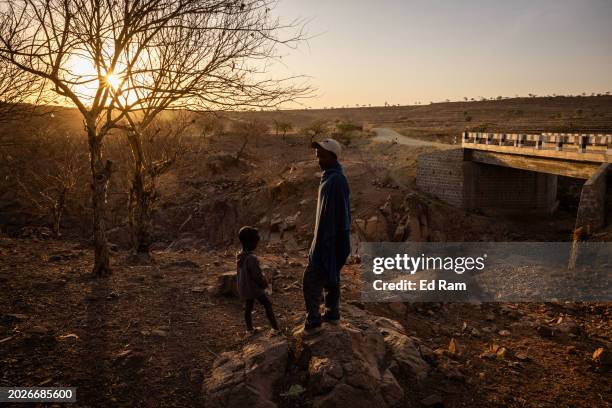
[(516, 48)]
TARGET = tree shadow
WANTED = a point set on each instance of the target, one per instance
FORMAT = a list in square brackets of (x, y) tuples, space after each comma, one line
[(96, 359)]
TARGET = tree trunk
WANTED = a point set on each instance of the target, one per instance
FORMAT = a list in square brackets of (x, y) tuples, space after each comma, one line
[(101, 172), (245, 141), (140, 203), (58, 210)]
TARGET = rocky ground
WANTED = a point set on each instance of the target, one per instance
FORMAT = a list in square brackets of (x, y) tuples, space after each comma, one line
[(150, 335), (155, 334)]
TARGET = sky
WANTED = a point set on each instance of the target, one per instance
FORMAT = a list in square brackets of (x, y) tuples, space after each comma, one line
[(403, 52)]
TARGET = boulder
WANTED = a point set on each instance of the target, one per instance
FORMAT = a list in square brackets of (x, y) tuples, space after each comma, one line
[(227, 284), (290, 222), (409, 353), (285, 189), (400, 233), (246, 378), (602, 357), (359, 362), (276, 223), (418, 223), (376, 229)]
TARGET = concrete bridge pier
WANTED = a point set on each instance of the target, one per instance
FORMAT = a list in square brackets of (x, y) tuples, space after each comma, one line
[(495, 190), (594, 206)]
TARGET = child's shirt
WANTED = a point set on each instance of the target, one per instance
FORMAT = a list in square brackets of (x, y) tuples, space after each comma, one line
[(250, 279)]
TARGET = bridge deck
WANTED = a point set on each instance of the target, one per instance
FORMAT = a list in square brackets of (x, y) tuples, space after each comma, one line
[(594, 148)]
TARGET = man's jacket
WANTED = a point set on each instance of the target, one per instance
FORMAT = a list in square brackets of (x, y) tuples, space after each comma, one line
[(331, 243)]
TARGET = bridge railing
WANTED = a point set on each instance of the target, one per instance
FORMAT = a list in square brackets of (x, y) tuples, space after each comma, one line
[(574, 142)]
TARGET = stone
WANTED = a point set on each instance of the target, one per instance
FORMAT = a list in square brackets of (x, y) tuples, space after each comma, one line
[(39, 330), (602, 357), (433, 401), (183, 263), (400, 233), (14, 317), (545, 331), (38, 335), (324, 374), (276, 223), (247, 377), (568, 326), (489, 355), (354, 363), (390, 389), (130, 360), (344, 395), (376, 229), (503, 353), (522, 356), (453, 346), (504, 333), (290, 222), (196, 375), (405, 354), (55, 258), (227, 284), (159, 333), (360, 225), (408, 353), (294, 391)]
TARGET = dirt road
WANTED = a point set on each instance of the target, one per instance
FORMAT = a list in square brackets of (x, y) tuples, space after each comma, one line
[(390, 135)]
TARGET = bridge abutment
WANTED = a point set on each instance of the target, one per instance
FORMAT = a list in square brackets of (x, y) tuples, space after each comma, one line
[(518, 173), (595, 199), (453, 177)]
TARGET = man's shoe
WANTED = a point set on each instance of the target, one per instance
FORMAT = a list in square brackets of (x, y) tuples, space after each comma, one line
[(311, 326), (307, 329), (333, 318)]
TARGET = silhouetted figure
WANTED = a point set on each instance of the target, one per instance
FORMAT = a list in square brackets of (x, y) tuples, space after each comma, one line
[(250, 280), (331, 242)]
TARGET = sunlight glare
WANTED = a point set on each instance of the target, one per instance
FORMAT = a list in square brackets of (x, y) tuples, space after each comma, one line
[(112, 80)]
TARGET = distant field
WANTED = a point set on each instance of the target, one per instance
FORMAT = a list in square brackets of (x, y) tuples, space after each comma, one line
[(444, 121), (438, 122)]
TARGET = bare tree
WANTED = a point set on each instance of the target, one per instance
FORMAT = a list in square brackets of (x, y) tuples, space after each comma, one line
[(163, 144), (123, 62), (211, 126), (50, 173), (20, 92), (282, 127), (315, 129), (248, 130)]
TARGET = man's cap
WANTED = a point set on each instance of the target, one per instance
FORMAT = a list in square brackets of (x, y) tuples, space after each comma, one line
[(330, 145)]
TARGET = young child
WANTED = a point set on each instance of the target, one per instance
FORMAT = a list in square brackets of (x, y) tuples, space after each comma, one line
[(251, 281)]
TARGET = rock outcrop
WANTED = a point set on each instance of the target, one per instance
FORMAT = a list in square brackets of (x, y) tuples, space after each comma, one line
[(360, 362), (227, 284), (246, 378)]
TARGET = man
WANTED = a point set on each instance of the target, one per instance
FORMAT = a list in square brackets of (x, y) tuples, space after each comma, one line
[(331, 242)]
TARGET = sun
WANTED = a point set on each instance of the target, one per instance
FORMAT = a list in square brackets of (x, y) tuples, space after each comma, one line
[(112, 80)]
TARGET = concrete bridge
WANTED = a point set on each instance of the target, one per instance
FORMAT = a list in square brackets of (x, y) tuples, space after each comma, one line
[(518, 173)]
